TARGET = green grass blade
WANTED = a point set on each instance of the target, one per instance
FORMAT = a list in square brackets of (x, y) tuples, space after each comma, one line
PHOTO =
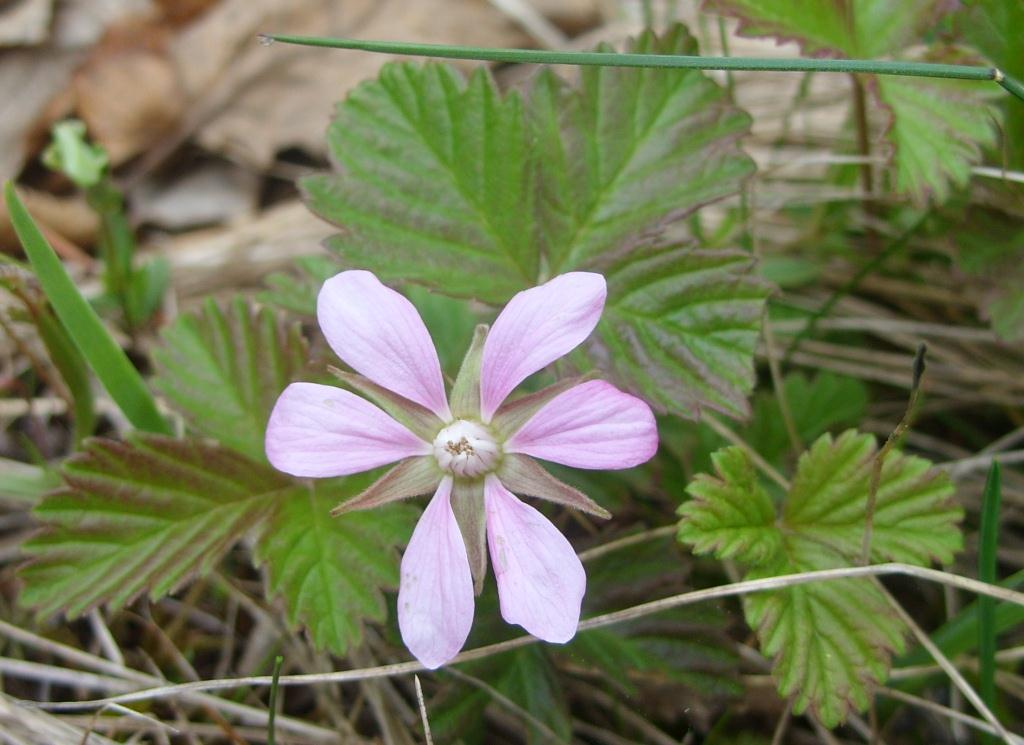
[(991, 498), (105, 357), (73, 369)]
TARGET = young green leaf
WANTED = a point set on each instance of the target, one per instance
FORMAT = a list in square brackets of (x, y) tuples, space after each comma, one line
[(831, 641), (915, 519), (107, 359), (434, 183), (731, 516), (680, 327), (143, 516), (223, 369), (331, 570), (937, 130), (629, 150)]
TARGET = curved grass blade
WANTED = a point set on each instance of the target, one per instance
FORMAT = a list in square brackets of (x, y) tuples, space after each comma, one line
[(105, 357)]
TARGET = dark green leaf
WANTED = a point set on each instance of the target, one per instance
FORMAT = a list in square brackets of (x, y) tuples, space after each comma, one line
[(680, 327), (331, 570), (224, 369), (142, 517), (433, 183)]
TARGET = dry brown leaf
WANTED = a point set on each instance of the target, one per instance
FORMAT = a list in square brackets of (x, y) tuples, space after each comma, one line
[(128, 92), (256, 101), (25, 22)]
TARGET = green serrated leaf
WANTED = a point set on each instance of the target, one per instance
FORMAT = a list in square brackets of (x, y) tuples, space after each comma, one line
[(731, 516), (223, 369), (848, 28), (628, 151), (297, 292), (915, 519), (332, 570), (680, 328), (141, 517), (832, 642), (433, 183), (938, 129)]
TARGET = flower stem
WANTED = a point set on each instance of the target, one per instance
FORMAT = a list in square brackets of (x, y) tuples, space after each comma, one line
[(670, 61)]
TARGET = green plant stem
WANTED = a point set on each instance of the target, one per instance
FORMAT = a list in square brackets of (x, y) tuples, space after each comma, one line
[(989, 541), (669, 61)]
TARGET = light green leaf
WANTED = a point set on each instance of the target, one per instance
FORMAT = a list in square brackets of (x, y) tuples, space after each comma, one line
[(71, 154), (297, 292), (938, 129), (731, 516), (680, 327), (628, 151), (832, 642), (105, 357), (848, 28), (915, 518), (138, 517), (224, 369), (433, 184), (331, 570)]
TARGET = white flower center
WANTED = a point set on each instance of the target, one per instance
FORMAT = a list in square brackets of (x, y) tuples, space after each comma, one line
[(466, 449)]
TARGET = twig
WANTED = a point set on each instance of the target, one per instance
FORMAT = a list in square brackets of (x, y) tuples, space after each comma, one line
[(945, 711), (607, 619), (948, 667), (879, 461), (423, 710), (642, 537), (505, 701)]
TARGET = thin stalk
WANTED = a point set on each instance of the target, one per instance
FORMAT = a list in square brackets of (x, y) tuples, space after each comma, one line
[(987, 573), (669, 61), (272, 704)]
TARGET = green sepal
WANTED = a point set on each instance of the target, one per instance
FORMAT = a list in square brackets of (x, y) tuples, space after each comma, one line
[(465, 398), (420, 420), (523, 475), (468, 506), (511, 416), (412, 477)]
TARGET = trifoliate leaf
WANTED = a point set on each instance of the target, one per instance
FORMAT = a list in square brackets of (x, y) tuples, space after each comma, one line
[(680, 328), (433, 184), (915, 520), (731, 516), (832, 642), (143, 516), (629, 150), (331, 570), (848, 28), (937, 130), (223, 369)]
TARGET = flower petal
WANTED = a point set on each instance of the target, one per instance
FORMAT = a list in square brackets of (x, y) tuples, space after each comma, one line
[(593, 425), (319, 430), (435, 597), (379, 334), (537, 327), (540, 579)]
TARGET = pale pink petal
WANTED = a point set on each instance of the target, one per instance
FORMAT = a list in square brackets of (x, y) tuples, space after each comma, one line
[(319, 430), (540, 579), (537, 327), (435, 598), (592, 425), (379, 334)]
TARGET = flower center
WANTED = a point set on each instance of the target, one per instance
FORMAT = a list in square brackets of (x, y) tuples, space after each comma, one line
[(466, 449)]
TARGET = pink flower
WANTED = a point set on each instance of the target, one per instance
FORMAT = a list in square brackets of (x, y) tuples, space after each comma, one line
[(472, 449)]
